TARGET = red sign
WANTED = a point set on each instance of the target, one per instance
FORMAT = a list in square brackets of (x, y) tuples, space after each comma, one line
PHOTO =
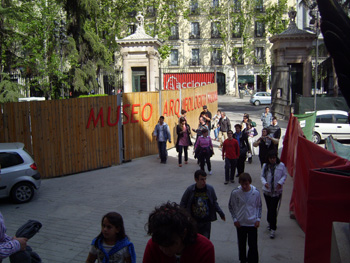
[(175, 81)]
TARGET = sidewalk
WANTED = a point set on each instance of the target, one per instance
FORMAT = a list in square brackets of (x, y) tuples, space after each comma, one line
[(70, 208)]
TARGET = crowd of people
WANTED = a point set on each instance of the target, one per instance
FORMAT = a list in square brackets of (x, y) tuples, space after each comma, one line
[(180, 232)]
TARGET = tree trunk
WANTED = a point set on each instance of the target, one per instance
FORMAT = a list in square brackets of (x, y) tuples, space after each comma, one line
[(236, 81)]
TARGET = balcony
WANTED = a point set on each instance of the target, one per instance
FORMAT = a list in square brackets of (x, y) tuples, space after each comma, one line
[(194, 36), (216, 62), (174, 37), (173, 63), (194, 62)]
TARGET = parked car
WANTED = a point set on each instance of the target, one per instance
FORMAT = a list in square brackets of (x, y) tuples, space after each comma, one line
[(260, 98), (19, 175), (331, 122)]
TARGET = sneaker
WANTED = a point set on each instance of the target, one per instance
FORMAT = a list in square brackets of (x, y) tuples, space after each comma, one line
[(268, 228), (210, 172), (180, 165), (272, 234), (233, 181), (186, 162), (226, 182)]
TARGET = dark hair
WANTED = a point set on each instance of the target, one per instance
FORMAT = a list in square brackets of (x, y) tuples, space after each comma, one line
[(246, 115), (161, 117), (229, 131), (182, 119), (274, 118), (198, 173), (267, 130), (204, 130), (169, 221), (272, 153), (267, 107), (245, 177), (183, 111), (116, 220), (238, 125)]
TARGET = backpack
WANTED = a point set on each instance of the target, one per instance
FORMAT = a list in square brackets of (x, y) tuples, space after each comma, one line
[(253, 124)]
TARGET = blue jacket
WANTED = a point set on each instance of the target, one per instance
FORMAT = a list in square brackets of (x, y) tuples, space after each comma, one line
[(187, 200), (166, 132)]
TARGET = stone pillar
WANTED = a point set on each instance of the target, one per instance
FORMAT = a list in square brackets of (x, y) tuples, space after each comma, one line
[(126, 73)]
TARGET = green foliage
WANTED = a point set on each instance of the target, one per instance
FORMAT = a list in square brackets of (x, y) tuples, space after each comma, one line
[(9, 90)]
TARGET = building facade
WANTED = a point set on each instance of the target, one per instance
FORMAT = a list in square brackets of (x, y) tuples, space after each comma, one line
[(230, 38)]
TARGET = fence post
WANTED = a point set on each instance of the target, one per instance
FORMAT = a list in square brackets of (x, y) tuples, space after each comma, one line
[(120, 129)]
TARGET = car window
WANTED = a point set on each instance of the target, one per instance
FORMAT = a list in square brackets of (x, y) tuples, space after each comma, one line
[(8, 159), (326, 118), (341, 118)]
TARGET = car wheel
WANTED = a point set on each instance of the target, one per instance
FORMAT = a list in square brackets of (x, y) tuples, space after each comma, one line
[(316, 138), (257, 103), (22, 192)]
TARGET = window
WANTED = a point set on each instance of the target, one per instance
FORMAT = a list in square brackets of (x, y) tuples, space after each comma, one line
[(194, 9), (216, 58), (326, 118), (151, 11), (237, 30), (215, 29), (195, 33), (259, 55), (260, 5), (150, 29), (131, 28), (341, 118), (174, 57), (8, 159), (236, 5), (259, 29), (174, 32), (195, 57), (214, 9), (240, 59), (173, 8)]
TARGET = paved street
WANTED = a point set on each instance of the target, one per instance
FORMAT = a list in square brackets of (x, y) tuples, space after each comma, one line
[(70, 208)]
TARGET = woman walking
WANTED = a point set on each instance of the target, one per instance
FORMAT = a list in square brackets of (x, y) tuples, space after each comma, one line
[(183, 131), (273, 176), (204, 150), (244, 148)]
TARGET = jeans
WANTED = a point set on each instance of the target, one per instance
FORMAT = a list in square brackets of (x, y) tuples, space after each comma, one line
[(251, 233), (216, 132), (230, 164), (162, 151), (204, 229), (204, 157), (272, 204), (180, 153)]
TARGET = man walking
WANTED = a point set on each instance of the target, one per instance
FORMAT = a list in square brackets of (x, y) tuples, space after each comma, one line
[(230, 153), (162, 133), (225, 125), (245, 207), (200, 201), (275, 131), (266, 118)]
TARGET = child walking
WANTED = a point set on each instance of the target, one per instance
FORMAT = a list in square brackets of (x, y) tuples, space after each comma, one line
[(245, 207), (112, 245)]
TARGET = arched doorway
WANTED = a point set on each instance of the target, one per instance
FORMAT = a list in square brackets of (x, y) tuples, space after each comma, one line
[(221, 82)]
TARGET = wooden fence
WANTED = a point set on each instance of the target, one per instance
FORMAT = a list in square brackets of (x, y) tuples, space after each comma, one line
[(76, 135), (138, 137), (56, 133)]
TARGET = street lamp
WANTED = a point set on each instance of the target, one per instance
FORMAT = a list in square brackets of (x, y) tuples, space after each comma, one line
[(314, 13)]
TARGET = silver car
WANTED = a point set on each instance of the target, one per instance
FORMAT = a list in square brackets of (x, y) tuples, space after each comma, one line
[(331, 122), (260, 98), (19, 175)]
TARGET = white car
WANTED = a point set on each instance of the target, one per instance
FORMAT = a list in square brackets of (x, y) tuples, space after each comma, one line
[(19, 175), (261, 98), (331, 122)]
